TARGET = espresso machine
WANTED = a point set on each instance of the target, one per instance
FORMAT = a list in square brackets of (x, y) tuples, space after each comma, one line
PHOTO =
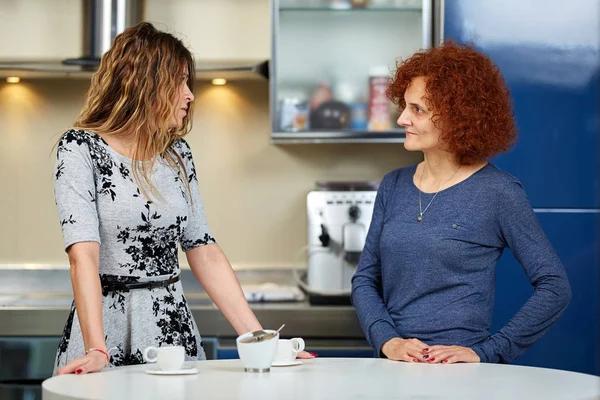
[(339, 215)]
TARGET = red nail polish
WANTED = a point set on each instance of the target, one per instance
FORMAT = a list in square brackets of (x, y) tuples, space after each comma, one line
[(444, 361), (425, 350), (433, 359), (313, 354), (79, 370)]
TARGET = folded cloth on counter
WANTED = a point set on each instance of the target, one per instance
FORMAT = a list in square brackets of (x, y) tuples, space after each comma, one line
[(272, 292)]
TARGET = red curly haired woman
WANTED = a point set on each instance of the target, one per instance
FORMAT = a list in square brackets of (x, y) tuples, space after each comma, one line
[(424, 287), (127, 194)]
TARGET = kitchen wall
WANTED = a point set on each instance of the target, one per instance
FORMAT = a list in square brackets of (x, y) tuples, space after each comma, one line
[(214, 29), (254, 192)]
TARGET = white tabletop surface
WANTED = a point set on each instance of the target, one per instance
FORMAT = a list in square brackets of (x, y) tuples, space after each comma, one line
[(330, 378)]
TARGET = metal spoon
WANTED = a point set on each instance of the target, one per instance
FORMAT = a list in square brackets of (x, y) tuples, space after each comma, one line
[(260, 335), (263, 335)]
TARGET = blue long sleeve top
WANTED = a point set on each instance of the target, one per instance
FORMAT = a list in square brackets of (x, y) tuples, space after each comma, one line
[(434, 280)]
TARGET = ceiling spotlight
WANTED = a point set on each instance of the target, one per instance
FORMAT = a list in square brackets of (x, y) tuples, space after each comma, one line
[(13, 79), (219, 81)]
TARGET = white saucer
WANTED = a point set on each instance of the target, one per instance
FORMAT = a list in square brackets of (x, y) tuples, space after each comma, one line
[(286, 363), (185, 371)]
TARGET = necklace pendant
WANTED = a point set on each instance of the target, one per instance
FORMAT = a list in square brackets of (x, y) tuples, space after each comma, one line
[(420, 217)]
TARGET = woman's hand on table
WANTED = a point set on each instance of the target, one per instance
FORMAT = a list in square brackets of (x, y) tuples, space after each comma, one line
[(449, 355), (306, 355), (398, 349), (94, 361)]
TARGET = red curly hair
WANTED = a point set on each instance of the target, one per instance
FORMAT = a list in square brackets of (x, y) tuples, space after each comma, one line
[(470, 101)]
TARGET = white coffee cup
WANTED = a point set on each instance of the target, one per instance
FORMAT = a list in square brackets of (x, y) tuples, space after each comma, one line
[(288, 349), (170, 358), (257, 356)]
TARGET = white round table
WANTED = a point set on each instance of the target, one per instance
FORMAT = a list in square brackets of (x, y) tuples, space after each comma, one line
[(329, 378)]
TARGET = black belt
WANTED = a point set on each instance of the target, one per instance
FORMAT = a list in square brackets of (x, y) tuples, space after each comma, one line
[(114, 287)]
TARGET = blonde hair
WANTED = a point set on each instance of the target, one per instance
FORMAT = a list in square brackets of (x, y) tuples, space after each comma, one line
[(132, 93)]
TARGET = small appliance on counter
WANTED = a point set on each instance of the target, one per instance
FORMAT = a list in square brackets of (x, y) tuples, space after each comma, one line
[(339, 215), (272, 292)]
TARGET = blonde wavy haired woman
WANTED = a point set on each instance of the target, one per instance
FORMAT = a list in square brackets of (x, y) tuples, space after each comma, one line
[(127, 194)]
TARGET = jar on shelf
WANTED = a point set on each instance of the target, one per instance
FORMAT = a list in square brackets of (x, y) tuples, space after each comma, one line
[(334, 113), (349, 94), (294, 114), (379, 111), (359, 3)]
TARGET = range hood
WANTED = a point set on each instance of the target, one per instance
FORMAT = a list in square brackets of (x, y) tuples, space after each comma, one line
[(205, 69), (102, 21)]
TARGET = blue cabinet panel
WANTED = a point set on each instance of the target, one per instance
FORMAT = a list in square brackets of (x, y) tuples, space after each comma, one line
[(555, 159), (554, 78), (553, 73), (227, 354), (572, 343), (24, 363)]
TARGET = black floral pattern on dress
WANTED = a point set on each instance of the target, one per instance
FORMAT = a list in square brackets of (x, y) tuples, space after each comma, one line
[(124, 171), (103, 162), (182, 190), (120, 358), (189, 244), (70, 220), (175, 322), (153, 249), (60, 169), (117, 296), (63, 345), (186, 155)]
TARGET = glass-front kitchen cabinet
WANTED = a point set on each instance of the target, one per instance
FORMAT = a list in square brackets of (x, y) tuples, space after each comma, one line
[(331, 62)]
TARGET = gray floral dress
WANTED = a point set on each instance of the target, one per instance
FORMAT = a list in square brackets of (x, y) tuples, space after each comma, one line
[(98, 200)]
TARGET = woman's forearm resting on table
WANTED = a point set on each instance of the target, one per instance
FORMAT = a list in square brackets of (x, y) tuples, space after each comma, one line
[(212, 269), (87, 290)]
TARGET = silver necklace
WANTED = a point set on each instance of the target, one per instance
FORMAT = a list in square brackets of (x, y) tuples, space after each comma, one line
[(421, 211)]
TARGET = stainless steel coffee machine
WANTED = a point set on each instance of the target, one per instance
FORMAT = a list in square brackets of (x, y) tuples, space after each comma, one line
[(339, 216)]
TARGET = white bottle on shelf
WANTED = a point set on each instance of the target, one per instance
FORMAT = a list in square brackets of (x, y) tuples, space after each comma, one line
[(339, 4)]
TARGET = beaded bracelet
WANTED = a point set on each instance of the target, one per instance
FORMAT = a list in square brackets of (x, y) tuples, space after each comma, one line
[(101, 351)]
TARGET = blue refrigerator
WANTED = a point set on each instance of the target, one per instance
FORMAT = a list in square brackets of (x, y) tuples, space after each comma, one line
[(549, 54)]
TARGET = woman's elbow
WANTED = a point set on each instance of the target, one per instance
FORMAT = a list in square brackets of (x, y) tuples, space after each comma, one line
[(561, 290), (566, 293), (355, 291), (363, 289), (84, 255)]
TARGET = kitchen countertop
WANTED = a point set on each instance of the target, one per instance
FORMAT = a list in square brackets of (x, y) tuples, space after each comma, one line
[(37, 303), (301, 319), (330, 378)]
